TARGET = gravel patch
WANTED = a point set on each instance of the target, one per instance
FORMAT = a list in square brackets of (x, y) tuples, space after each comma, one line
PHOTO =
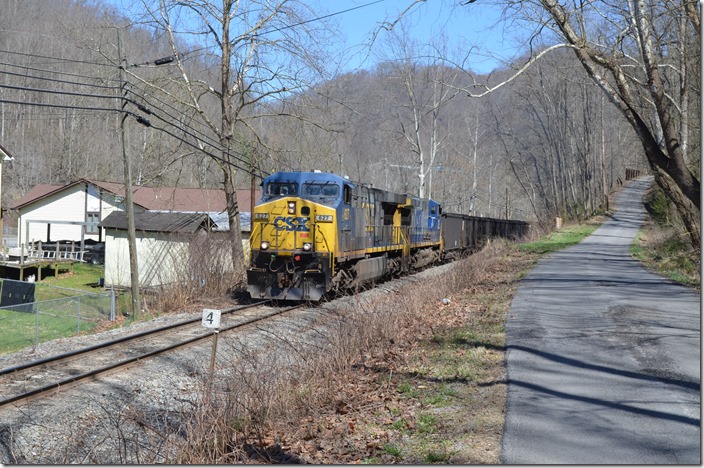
[(134, 416)]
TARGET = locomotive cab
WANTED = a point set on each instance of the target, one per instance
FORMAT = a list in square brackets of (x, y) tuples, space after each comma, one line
[(316, 232), (293, 236)]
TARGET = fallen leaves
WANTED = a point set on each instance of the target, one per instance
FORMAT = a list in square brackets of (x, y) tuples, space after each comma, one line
[(389, 403)]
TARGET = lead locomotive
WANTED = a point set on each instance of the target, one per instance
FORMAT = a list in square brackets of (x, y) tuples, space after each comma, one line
[(315, 232)]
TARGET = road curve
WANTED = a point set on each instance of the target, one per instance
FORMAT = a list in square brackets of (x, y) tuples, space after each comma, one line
[(603, 358)]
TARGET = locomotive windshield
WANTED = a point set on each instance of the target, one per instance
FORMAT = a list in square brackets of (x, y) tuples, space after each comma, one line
[(321, 190), (280, 189)]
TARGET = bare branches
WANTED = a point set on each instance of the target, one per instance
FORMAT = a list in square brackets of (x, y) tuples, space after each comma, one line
[(516, 74), (661, 139)]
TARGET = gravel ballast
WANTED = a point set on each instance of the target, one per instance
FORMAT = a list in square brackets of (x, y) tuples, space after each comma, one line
[(131, 416)]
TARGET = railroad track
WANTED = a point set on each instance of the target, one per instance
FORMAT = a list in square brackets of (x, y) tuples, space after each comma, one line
[(26, 382)]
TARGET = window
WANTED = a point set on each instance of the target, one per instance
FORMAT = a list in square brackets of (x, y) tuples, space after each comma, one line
[(92, 217), (321, 189), (280, 189)]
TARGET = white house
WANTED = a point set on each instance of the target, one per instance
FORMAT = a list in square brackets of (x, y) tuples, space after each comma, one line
[(72, 212)]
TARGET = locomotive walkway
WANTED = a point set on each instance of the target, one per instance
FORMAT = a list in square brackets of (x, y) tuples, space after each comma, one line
[(603, 357)]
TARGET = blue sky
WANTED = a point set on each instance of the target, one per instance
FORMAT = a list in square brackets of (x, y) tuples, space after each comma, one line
[(474, 27), (471, 25)]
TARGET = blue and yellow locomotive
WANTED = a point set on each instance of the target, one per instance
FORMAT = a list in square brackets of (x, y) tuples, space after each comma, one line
[(315, 232)]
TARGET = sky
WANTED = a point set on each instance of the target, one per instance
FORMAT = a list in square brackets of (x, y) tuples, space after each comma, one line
[(475, 24), (474, 27)]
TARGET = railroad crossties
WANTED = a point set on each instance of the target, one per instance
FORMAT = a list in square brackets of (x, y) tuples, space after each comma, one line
[(141, 415)]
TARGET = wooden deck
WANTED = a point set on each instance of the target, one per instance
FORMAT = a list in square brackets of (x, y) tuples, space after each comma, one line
[(37, 264), (20, 259)]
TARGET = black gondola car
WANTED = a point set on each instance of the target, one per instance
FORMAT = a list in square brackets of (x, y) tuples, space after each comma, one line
[(462, 233)]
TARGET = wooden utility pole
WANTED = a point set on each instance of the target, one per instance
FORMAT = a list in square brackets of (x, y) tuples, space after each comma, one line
[(129, 206), (604, 188), (252, 189), (4, 156)]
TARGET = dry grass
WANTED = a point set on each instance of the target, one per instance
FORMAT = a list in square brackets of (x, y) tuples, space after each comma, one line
[(666, 251), (396, 378), (393, 376), (206, 273)]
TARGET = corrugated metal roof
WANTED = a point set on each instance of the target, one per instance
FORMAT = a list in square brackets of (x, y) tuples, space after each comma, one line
[(160, 221), (223, 221)]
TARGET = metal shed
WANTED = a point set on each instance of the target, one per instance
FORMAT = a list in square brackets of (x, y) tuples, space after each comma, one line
[(163, 241)]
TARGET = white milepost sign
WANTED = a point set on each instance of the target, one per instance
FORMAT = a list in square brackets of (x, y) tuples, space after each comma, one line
[(211, 318)]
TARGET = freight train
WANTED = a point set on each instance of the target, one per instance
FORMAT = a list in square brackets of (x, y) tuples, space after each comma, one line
[(315, 233)]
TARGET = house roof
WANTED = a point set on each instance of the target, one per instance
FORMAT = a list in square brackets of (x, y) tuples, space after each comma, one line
[(159, 222), (4, 153), (151, 198), (36, 193)]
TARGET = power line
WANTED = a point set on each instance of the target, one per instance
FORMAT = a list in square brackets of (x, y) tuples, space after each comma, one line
[(184, 128), (137, 116), (139, 119), (206, 138), (21, 75), (57, 59), (71, 93), (219, 158), (53, 91), (319, 18), (58, 106)]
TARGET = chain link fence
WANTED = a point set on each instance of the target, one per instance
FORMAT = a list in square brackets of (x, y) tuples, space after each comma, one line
[(34, 313)]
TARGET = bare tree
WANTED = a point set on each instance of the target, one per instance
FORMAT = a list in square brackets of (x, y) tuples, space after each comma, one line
[(428, 86), (635, 51), (259, 51)]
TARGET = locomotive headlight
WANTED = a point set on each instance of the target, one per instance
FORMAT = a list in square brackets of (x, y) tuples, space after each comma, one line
[(291, 207), (264, 245), (307, 247)]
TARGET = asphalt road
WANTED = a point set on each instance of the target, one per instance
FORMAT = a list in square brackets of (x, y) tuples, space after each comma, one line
[(603, 357)]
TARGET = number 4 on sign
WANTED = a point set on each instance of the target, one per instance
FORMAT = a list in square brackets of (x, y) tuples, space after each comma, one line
[(211, 318)]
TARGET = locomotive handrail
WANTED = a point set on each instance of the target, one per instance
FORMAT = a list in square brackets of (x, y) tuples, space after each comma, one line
[(406, 243), (325, 239), (331, 257), (390, 236), (252, 239)]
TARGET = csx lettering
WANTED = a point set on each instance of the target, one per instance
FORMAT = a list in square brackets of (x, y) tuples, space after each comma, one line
[(291, 223)]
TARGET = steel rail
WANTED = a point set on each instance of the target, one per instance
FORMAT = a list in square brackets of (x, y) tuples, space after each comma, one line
[(57, 386), (107, 344)]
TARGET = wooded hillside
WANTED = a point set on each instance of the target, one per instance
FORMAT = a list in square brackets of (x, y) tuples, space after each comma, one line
[(549, 143)]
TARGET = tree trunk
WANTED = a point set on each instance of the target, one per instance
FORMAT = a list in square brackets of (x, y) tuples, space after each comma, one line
[(233, 216), (681, 186), (687, 212)]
